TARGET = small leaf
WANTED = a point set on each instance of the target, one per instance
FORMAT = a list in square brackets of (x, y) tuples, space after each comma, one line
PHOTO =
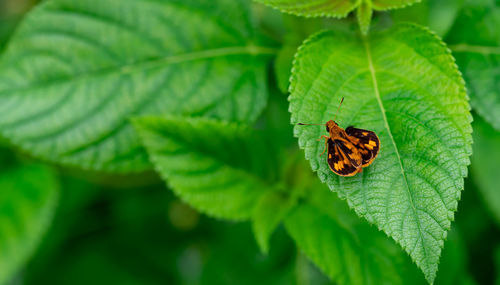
[(219, 168), (329, 8), (76, 71), (442, 15), (297, 30), (270, 210), (364, 15), (27, 201), (439, 16), (485, 164), (347, 249), (475, 41), (403, 85)]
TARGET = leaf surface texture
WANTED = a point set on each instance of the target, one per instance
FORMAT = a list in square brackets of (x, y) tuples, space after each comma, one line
[(75, 72)]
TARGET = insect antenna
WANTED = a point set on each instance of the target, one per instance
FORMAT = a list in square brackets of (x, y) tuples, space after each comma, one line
[(338, 110)]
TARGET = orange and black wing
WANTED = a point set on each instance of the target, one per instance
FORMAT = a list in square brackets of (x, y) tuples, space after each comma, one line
[(343, 158), (368, 144)]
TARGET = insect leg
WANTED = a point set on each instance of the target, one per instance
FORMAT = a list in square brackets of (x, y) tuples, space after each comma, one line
[(323, 137), (326, 143)]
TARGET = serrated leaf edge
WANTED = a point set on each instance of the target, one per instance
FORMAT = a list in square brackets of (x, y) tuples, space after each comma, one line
[(309, 15), (331, 14)]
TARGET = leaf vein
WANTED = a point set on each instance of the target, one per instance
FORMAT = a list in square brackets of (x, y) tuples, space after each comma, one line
[(386, 123)]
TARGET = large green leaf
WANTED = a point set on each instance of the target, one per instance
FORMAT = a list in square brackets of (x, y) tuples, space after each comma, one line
[(484, 167), (329, 8), (475, 41), (219, 168), (27, 200), (402, 84), (76, 71), (347, 249)]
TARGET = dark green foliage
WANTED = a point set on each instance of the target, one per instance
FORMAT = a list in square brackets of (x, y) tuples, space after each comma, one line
[(128, 126), (485, 165), (474, 39), (28, 198)]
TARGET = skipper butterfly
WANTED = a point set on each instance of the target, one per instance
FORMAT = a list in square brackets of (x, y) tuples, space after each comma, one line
[(349, 150)]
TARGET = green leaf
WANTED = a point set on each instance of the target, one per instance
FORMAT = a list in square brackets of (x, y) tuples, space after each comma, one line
[(329, 8), (27, 202), (475, 41), (403, 85), (76, 71), (439, 16), (485, 164), (347, 249), (283, 66), (442, 15), (270, 210), (219, 168)]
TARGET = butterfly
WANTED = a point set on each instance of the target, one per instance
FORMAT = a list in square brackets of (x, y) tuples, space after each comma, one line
[(349, 150)]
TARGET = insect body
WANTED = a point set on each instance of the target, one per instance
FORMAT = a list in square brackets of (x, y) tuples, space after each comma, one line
[(349, 150)]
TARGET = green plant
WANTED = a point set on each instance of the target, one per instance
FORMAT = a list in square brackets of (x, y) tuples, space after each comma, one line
[(196, 91)]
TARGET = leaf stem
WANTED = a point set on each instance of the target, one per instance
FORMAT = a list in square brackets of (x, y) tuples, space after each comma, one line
[(475, 49)]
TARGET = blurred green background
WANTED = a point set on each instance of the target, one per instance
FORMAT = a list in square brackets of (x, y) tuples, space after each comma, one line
[(133, 230)]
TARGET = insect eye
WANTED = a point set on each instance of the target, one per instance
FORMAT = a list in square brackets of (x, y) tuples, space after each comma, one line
[(327, 129)]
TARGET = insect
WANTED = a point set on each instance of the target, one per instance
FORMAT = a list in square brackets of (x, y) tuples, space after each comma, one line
[(349, 150)]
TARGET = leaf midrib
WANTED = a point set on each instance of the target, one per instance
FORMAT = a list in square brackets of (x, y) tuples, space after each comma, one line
[(251, 50), (386, 123)]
